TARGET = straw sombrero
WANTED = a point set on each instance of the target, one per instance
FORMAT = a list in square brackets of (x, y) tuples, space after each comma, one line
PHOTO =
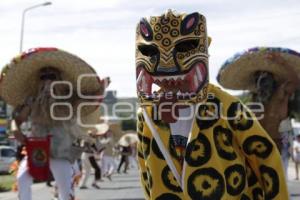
[(128, 139), (98, 129), (19, 79), (237, 73), (101, 129)]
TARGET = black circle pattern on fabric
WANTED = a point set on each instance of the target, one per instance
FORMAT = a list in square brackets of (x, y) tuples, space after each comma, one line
[(169, 180), (172, 149), (149, 178), (198, 151), (238, 117), (206, 184), (208, 113), (156, 149), (168, 196), (235, 179), (223, 141), (139, 150), (270, 180), (245, 197), (258, 145), (140, 125), (257, 194), (146, 185), (145, 145), (251, 177)]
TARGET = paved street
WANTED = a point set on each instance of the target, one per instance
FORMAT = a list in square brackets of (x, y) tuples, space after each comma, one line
[(125, 187)]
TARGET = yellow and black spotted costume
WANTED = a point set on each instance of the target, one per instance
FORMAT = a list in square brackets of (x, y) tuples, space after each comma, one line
[(225, 159), (228, 154)]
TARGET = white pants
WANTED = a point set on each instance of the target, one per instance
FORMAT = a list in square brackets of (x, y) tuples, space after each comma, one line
[(62, 171), (108, 165), (86, 168)]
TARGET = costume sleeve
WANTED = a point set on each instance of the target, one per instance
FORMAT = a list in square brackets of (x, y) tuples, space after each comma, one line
[(259, 149)]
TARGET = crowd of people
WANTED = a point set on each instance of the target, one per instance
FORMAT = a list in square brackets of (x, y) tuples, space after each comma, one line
[(103, 156), (100, 160)]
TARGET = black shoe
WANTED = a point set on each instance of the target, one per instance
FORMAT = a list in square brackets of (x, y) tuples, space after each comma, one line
[(96, 186), (49, 184)]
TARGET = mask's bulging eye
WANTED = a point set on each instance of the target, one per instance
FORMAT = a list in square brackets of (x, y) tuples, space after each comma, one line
[(148, 50), (186, 45)]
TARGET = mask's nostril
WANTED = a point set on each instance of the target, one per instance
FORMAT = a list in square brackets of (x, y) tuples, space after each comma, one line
[(167, 69)]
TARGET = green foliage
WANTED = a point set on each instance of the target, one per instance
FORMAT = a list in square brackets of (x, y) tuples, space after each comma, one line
[(6, 182)]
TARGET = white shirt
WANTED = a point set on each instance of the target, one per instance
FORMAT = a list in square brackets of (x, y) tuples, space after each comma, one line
[(296, 145), (180, 130)]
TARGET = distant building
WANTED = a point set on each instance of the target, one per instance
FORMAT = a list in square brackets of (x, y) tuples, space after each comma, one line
[(118, 109)]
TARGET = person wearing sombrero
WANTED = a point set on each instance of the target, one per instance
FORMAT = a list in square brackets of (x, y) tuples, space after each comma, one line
[(195, 140), (88, 158), (126, 146), (48, 87), (271, 75)]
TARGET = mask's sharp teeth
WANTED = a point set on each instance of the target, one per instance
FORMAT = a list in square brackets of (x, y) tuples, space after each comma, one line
[(199, 74), (165, 82), (196, 83), (160, 79), (138, 80)]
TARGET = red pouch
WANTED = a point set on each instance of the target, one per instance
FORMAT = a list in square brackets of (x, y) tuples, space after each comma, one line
[(38, 151)]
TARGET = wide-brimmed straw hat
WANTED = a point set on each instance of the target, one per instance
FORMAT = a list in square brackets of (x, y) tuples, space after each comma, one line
[(128, 139), (101, 129), (20, 78), (238, 72)]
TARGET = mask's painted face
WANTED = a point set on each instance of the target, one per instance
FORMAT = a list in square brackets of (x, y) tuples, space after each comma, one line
[(172, 57)]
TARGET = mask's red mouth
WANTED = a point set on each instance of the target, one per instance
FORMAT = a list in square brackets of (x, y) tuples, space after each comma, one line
[(190, 83)]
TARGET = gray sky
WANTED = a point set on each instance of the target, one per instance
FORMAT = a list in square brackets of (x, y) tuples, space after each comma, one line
[(102, 32)]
